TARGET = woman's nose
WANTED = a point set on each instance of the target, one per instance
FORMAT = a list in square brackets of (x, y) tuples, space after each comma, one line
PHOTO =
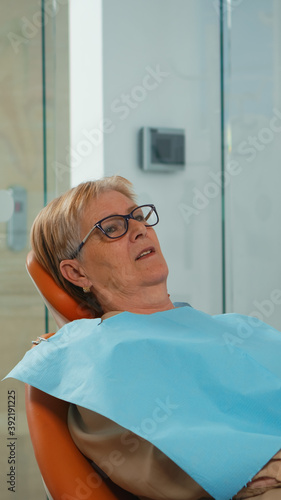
[(136, 229)]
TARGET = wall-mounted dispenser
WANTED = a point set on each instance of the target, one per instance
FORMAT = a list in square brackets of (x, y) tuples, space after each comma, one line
[(162, 149), (17, 224)]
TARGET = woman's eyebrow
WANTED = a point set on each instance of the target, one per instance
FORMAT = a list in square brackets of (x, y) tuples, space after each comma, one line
[(130, 209)]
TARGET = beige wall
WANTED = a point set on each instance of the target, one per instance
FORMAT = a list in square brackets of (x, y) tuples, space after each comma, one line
[(21, 153)]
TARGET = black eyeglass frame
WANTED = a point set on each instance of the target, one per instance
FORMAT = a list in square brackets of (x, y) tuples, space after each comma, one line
[(97, 225)]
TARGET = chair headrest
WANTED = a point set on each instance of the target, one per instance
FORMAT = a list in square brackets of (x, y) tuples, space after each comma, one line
[(60, 301)]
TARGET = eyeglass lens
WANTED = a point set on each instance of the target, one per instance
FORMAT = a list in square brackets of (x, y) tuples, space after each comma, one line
[(116, 226)]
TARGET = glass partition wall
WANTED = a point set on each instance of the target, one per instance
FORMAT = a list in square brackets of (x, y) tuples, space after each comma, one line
[(252, 138), (34, 97)]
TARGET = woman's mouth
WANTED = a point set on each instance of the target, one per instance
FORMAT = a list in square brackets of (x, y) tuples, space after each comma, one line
[(145, 253)]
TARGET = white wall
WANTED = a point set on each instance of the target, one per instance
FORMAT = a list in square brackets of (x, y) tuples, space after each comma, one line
[(85, 153), (181, 37)]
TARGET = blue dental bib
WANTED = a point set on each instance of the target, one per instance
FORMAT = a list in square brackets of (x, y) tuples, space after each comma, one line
[(205, 390)]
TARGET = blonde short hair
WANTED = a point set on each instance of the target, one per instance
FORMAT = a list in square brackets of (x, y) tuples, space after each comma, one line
[(55, 233)]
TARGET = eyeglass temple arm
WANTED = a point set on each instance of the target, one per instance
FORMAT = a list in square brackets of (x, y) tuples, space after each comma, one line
[(149, 213), (84, 241)]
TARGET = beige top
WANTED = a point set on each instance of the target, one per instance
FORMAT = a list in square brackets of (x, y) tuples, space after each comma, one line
[(137, 466)]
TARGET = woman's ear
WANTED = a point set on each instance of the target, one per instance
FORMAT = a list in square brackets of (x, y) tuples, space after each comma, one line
[(73, 271)]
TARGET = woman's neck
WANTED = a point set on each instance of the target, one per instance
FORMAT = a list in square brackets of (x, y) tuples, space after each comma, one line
[(147, 301)]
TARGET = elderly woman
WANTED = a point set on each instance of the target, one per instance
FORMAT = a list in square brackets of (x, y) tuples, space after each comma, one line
[(167, 401)]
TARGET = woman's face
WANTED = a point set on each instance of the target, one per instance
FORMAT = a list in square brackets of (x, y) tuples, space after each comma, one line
[(115, 268)]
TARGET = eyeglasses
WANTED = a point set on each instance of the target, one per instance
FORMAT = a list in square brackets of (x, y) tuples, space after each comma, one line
[(116, 226)]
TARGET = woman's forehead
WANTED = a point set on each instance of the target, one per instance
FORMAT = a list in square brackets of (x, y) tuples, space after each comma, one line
[(108, 203)]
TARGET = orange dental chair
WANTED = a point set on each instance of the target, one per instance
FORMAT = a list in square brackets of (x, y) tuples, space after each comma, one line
[(66, 473)]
